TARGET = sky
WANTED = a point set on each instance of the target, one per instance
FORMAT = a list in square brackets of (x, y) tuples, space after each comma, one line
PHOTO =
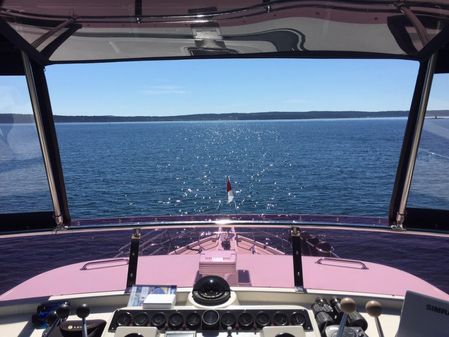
[(163, 88)]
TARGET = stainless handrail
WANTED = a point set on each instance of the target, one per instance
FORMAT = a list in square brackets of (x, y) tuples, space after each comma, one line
[(333, 259), (105, 262)]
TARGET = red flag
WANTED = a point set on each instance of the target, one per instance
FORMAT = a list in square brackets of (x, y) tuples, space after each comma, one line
[(229, 190)]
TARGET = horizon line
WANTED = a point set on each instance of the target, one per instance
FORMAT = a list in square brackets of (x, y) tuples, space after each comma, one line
[(235, 113)]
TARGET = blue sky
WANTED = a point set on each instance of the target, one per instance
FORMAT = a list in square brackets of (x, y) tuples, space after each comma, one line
[(161, 88)]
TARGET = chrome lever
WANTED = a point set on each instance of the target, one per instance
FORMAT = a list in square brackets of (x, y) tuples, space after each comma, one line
[(374, 309), (348, 306)]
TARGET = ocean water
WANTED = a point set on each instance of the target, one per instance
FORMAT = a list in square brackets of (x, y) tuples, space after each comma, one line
[(291, 167), (321, 166), (343, 167)]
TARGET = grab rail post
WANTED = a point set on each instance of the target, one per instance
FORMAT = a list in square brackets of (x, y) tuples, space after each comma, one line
[(297, 259), (133, 259)]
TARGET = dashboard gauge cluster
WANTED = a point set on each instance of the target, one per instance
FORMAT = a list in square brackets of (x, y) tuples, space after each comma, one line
[(219, 320)]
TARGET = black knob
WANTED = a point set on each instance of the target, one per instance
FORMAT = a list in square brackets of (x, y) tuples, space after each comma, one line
[(63, 311), (321, 305), (134, 335), (335, 303), (41, 308), (51, 318), (320, 300), (83, 311)]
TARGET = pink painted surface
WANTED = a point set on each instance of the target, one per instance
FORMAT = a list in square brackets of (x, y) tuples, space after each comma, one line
[(174, 269), (376, 279), (265, 271)]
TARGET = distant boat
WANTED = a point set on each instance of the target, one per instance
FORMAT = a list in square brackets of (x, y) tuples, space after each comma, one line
[(229, 190)]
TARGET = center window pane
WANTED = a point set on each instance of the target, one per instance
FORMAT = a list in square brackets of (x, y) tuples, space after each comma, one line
[(293, 137)]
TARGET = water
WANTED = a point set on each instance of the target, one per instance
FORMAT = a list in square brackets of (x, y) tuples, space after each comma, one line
[(321, 166), (305, 166)]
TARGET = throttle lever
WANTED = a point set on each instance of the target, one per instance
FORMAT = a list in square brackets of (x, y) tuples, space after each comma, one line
[(82, 312), (55, 318), (374, 309), (347, 306), (52, 321)]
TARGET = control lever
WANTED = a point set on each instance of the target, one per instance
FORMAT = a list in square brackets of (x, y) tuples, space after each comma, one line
[(82, 312), (338, 313), (63, 311), (348, 306), (52, 322), (321, 305), (323, 312), (55, 318), (374, 309)]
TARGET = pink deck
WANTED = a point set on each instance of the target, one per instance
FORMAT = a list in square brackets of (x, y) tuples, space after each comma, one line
[(265, 271)]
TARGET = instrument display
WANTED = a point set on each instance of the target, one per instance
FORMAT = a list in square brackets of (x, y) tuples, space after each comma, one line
[(219, 320)]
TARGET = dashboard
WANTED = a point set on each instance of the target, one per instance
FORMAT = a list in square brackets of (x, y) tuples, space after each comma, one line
[(253, 313), (240, 312)]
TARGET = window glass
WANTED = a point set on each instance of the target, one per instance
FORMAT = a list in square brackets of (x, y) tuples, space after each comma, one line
[(201, 251), (430, 186), (293, 136), (23, 182)]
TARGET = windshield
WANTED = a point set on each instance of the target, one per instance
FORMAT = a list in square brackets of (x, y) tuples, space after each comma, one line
[(274, 143), (292, 137)]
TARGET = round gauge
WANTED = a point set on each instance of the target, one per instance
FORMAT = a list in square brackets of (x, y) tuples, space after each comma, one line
[(297, 319), (245, 320), (262, 319), (158, 320), (124, 318), (193, 321), (141, 319), (176, 320), (280, 318), (210, 319), (228, 320)]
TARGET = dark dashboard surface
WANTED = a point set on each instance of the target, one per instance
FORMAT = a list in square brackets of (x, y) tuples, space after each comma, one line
[(218, 320)]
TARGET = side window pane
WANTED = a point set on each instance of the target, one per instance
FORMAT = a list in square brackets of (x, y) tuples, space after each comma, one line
[(23, 183), (430, 187)]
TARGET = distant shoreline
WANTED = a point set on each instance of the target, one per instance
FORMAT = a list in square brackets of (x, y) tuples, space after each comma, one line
[(278, 115)]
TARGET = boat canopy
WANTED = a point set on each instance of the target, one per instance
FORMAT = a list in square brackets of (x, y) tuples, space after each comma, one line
[(92, 31)]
